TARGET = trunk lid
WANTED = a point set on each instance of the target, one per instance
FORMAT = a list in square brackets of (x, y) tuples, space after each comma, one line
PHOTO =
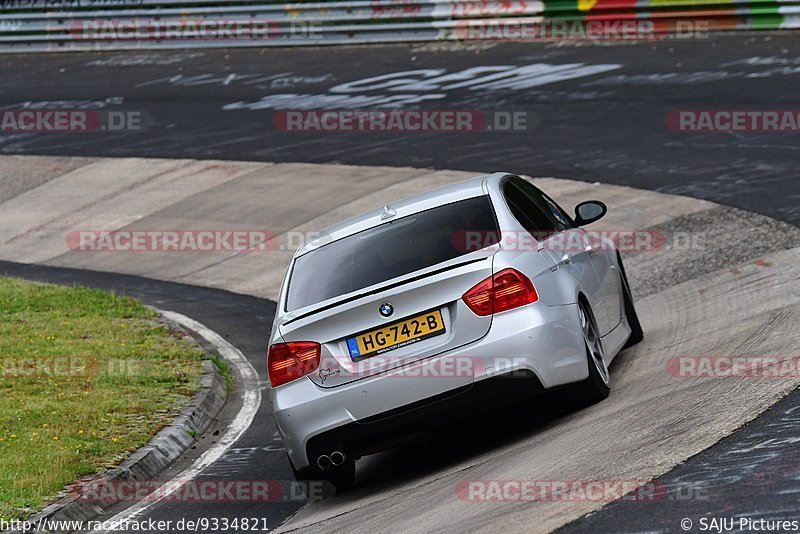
[(433, 292)]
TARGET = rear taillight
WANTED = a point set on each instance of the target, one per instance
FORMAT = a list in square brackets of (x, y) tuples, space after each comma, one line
[(503, 291), (512, 289), (290, 361), (479, 298)]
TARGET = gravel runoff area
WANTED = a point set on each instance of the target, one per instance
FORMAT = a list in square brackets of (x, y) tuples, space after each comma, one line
[(700, 244)]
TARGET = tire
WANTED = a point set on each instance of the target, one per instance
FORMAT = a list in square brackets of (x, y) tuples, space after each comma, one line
[(598, 385), (637, 334), (338, 479)]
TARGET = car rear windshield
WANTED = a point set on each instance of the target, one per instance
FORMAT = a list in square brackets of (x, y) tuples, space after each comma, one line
[(392, 249)]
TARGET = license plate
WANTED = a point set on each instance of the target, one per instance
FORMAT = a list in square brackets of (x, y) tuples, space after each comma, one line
[(396, 335)]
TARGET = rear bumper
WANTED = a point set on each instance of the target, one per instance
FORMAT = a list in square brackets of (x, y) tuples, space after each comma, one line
[(384, 430), (526, 351)]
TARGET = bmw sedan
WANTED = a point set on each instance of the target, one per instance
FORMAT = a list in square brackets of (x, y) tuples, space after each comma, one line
[(436, 306)]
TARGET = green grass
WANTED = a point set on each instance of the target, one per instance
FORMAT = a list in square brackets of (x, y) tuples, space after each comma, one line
[(85, 378), (224, 370)]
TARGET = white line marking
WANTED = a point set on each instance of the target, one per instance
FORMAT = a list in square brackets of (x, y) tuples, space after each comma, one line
[(250, 404)]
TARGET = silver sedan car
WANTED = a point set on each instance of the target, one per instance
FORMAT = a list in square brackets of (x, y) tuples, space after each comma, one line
[(436, 306)]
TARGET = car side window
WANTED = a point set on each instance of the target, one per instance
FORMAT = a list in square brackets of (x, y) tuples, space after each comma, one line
[(559, 219), (532, 217), (559, 213)]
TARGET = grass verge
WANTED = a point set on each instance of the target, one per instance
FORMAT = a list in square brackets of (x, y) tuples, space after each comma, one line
[(85, 378)]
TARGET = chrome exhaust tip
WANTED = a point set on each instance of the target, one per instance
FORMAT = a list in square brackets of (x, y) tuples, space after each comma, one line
[(324, 461), (337, 458)]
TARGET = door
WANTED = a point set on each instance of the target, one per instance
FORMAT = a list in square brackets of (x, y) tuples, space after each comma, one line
[(566, 245)]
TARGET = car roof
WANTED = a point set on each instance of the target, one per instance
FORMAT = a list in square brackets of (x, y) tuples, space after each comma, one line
[(469, 188)]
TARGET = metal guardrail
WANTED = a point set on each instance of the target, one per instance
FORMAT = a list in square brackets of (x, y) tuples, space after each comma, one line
[(65, 25)]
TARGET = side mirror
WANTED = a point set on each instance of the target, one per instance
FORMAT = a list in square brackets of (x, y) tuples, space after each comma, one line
[(589, 212)]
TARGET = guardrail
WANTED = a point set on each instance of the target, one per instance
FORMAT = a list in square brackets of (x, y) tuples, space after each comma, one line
[(66, 25)]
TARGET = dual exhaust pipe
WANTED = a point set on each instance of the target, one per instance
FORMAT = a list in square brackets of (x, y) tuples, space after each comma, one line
[(334, 459)]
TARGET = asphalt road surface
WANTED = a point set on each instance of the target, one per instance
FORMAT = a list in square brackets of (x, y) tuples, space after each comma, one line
[(591, 112)]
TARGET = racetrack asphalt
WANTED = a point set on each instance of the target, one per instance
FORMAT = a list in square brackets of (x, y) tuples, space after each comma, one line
[(595, 112), (607, 126), (673, 320)]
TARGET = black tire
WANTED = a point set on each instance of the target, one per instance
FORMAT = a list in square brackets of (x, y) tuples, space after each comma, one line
[(594, 388), (637, 334), (336, 479)]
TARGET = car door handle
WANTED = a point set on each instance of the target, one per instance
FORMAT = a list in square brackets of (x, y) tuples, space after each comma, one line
[(566, 259)]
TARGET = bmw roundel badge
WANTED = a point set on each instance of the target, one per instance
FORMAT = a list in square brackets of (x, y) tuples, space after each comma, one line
[(386, 309)]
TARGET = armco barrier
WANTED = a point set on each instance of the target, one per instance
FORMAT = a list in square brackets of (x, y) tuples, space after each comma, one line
[(64, 25)]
